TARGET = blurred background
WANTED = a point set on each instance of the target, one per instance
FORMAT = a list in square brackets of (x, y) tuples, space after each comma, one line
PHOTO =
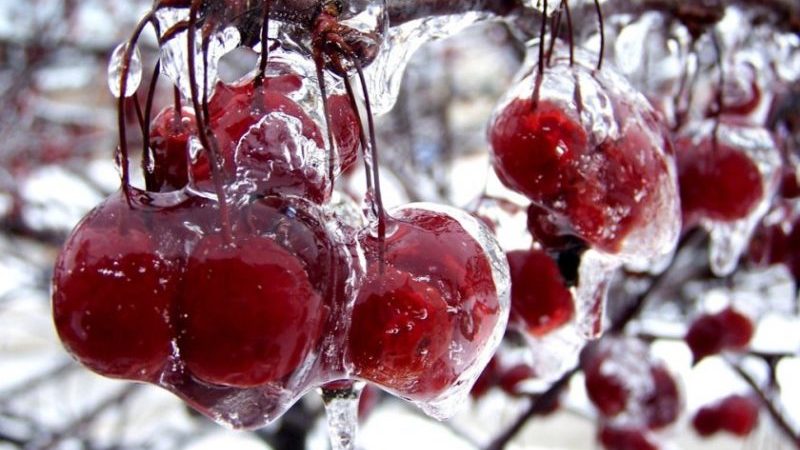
[(58, 135)]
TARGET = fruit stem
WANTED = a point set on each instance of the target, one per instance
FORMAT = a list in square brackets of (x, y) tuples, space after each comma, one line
[(332, 150), (148, 111), (361, 134), (373, 142), (123, 86), (262, 64), (602, 34), (569, 33), (555, 29), (206, 134), (719, 97), (540, 70)]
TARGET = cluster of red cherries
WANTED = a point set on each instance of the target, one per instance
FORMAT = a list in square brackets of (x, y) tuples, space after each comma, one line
[(233, 280)]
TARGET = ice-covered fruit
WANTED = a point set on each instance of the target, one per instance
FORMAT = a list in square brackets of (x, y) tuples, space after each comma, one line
[(736, 414), (252, 309), (710, 334), (428, 307), (170, 132), (113, 292), (540, 300), (733, 174), (598, 166)]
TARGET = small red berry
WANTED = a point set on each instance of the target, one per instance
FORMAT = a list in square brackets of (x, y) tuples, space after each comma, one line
[(710, 334)]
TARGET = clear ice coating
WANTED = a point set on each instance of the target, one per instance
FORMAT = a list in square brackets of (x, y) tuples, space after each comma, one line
[(447, 403), (341, 411), (175, 52), (116, 71), (612, 112), (595, 273), (729, 240)]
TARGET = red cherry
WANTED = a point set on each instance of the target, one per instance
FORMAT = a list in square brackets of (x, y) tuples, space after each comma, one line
[(409, 330), (626, 438), (778, 241), (252, 311), (710, 334), (433, 292), (735, 177), (598, 193), (112, 293), (737, 414), (540, 301), (169, 140)]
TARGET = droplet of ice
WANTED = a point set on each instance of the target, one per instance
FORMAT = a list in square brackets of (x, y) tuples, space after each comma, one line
[(116, 71), (341, 410), (594, 276)]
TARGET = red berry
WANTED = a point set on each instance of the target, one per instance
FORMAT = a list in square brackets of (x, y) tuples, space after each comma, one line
[(626, 438), (710, 334), (737, 414), (252, 311), (169, 141), (112, 293), (607, 391), (735, 177), (426, 311), (599, 193), (540, 301), (346, 130)]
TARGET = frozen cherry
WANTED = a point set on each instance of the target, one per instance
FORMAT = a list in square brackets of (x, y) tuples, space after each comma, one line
[(540, 301), (169, 140), (662, 405), (596, 192), (737, 414), (710, 334), (511, 378), (736, 179), (346, 130), (112, 293), (427, 309), (252, 311)]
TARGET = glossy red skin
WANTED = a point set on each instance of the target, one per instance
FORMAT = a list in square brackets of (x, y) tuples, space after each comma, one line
[(248, 313), (590, 191), (710, 334), (737, 414), (169, 140), (736, 180), (540, 301), (113, 292), (625, 438), (431, 264)]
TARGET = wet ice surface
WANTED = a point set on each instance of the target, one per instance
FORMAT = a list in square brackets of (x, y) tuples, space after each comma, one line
[(117, 75)]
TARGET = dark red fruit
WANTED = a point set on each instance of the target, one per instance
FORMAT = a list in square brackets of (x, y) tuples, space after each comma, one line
[(626, 438), (346, 130), (252, 311), (778, 241), (735, 177), (608, 392), (248, 312), (710, 334), (540, 301), (598, 193), (169, 141), (426, 311), (737, 414), (112, 294), (487, 380)]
